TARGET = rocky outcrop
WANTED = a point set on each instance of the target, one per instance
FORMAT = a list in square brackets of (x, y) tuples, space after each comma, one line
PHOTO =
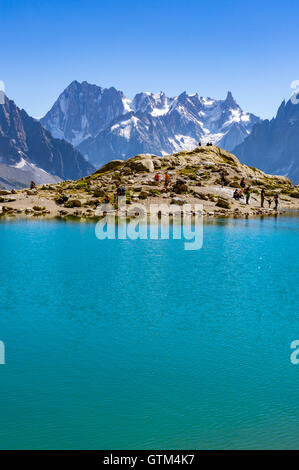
[(205, 177), (110, 166), (141, 163)]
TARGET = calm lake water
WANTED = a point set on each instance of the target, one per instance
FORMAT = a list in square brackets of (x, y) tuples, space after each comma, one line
[(122, 344)]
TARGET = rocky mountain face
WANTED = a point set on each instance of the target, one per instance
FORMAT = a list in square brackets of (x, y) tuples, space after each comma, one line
[(28, 151), (82, 111), (273, 145), (103, 124)]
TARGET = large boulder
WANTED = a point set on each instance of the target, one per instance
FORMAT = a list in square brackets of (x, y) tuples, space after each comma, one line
[(141, 165), (180, 186), (157, 163)]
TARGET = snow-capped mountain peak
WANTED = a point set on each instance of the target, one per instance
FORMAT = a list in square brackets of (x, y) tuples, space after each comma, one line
[(82, 110), (104, 124), (155, 104)]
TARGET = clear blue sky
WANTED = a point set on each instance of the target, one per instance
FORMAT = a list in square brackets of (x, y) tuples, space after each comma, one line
[(248, 47)]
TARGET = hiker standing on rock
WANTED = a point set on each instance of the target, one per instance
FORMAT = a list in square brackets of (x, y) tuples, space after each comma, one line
[(262, 197), (157, 177), (247, 194), (32, 185), (222, 179), (242, 184), (276, 200), (269, 202), (167, 179)]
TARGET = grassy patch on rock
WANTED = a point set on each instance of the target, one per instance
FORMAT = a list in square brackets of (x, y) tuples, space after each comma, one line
[(223, 203)]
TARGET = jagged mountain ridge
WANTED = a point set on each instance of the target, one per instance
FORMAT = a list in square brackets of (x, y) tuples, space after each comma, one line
[(273, 145), (32, 151), (103, 124)]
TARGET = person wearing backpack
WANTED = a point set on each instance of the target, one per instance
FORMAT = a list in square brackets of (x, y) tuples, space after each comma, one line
[(167, 179)]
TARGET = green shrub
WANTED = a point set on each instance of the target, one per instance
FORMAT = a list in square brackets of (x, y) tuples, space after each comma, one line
[(82, 185), (73, 203), (98, 192), (188, 171), (155, 192)]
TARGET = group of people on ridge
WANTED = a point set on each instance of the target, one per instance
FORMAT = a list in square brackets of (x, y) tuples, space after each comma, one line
[(208, 144)]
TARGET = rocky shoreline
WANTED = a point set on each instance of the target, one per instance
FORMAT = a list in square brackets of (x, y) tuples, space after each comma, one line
[(206, 175)]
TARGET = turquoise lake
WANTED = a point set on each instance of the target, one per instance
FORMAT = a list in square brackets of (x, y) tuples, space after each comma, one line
[(122, 344)]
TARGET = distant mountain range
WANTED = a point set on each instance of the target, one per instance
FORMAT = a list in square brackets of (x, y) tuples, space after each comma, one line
[(273, 146), (89, 126), (28, 151), (104, 125)]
